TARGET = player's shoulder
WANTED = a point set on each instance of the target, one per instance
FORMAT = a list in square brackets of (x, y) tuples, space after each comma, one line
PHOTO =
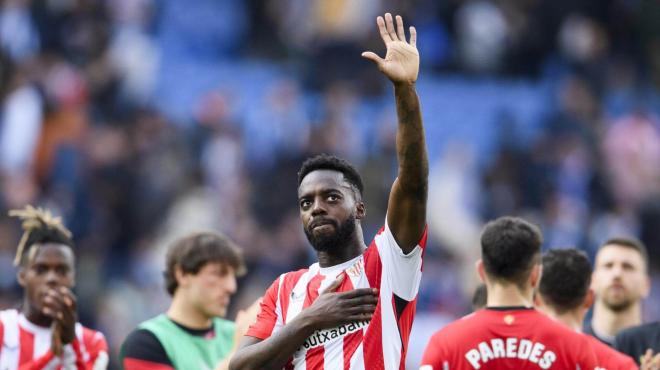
[(601, 349), (550, 326), (141, 344), (8, 314), (643, 330), (91, 335), (288, 279), (634, 341), (611, 355), (458, 328), (140, 338), (562, 332), (457, 332), (295, 273)]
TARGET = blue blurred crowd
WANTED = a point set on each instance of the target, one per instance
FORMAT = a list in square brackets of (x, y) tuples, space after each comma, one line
[(141, 120)]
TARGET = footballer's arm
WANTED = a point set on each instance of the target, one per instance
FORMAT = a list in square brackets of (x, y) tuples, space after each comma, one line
[(406, 211)]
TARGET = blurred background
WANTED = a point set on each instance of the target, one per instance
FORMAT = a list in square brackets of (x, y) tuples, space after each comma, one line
[(141, 120)]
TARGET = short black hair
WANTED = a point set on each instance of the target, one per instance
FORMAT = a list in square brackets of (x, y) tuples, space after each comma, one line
[(39, 227), (510, 247), (331, 162), (566, 278), (480, 297), (194, 251), (630, 243)]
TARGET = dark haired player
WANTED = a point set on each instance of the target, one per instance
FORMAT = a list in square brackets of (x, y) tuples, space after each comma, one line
[(354, 308), (564, 295), (620, 281), (200, 275), (509, 333), (44, 334)]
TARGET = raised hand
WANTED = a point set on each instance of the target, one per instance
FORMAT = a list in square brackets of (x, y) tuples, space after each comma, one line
[(332, 309), (401, 63)]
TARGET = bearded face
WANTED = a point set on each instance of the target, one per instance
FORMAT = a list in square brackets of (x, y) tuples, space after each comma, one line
[(328, 210), (617, 297), (328, 234), (619, 280)]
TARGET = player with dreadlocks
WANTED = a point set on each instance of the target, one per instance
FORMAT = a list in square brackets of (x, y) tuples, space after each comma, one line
[(44, 334)]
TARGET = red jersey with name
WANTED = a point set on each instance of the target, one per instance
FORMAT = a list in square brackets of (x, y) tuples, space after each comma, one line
[(26, 346), (495, 339), (377, 344), (609, 358)]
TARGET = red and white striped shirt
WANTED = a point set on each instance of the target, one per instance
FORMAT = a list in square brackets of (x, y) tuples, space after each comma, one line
[(377, 344), (26, 346)]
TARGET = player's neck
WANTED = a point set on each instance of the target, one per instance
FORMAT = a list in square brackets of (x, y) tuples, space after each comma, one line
[(353, 248), (573, 319), (606, 322), (182, 313), (33, 315), (509, 295)]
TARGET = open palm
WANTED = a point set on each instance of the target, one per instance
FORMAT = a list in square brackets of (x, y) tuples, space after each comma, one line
[(401, 63)]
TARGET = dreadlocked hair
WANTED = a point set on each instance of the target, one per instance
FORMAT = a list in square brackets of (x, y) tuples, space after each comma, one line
[(39, 226)]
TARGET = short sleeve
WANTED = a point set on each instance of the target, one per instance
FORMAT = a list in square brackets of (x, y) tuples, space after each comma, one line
[(97, 347), (403, 272), (267, 317)]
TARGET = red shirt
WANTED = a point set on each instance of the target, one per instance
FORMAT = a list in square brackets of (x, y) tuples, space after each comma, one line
[(26, 346), (517, 338), (377, 344), (609, 358)]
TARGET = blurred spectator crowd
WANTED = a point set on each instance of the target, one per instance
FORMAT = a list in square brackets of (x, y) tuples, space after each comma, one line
[(141, 120)]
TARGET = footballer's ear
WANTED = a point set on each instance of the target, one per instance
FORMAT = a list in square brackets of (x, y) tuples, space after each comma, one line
[(589, 299), (181, 277), (646, 288), (20, 276), (481, 271), (535, 276), (360, 210)]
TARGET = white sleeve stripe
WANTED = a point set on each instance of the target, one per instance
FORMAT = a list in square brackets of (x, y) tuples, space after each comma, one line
[(278, 305), (400, 272), (10, 350), (387, 233)]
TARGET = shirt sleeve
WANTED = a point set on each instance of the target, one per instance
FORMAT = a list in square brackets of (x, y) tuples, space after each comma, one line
[(267, 317), (433, 354), (143, 351), (402, 272), (97, 347)]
